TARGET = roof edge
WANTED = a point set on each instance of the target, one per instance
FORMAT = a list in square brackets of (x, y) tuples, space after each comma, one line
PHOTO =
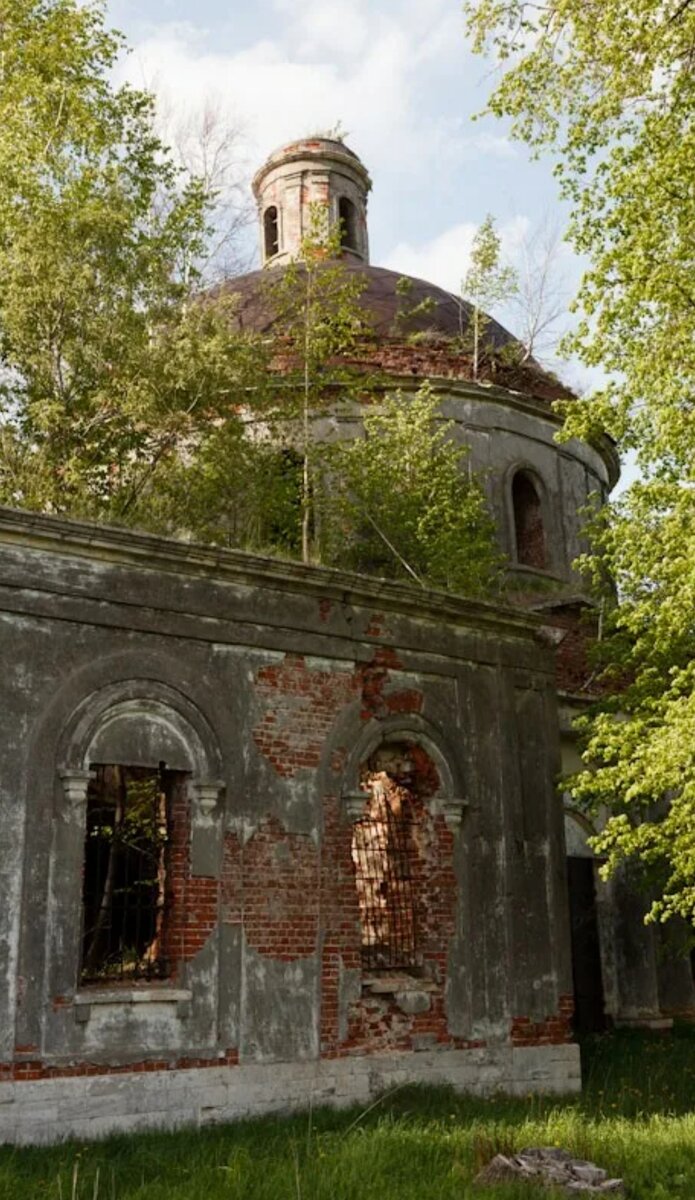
[(120, 545)]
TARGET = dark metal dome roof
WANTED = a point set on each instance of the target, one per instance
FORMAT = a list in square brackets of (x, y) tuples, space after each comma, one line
[(384, 305)]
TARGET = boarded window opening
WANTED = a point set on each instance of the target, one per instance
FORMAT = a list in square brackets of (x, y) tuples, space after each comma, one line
[(528, 522), (348, 223), (270, 227), (125, 884)]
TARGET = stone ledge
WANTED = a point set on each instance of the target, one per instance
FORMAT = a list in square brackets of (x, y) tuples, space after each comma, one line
[(133, 995)]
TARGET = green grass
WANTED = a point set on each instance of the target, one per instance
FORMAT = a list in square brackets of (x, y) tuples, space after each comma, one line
[(635, 1117)]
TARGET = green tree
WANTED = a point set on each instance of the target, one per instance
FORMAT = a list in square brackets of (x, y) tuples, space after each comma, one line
[(108, 365), (318, 324), (487, 282), (404, 504), (610, 90)]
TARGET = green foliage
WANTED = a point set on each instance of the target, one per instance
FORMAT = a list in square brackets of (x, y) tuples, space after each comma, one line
[(318, 324), (407, 311), (236, 491), (611, 91), (634, 1118), (641, 739), (487, 282), (403, 504), (107, 368)]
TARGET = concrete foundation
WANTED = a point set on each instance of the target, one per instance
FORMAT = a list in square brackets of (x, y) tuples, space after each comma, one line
[(50, 1110)]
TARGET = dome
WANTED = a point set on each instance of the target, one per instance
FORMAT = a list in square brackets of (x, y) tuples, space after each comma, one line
[(417, 330), (384, 306), (435, 352)]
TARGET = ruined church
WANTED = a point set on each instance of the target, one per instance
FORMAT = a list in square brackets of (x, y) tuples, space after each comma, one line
[(276, 835)]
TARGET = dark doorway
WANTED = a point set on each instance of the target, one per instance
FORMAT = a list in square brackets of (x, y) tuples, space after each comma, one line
[(589, 1014)]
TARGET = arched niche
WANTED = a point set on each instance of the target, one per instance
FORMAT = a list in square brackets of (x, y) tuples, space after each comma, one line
[(529, 519), (140, 723), (448, 799)]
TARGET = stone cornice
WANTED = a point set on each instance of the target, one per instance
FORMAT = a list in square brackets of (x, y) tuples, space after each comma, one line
[(148, 552), (495, 394), (325, 150)]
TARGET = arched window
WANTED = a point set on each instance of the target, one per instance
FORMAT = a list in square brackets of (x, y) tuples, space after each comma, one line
[(528, 522), (385, 852), (270, 231), (348, 223), (126, 890)]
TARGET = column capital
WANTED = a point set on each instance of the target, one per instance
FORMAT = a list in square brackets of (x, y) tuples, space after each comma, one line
[(451, 808), (206, 793), (354, 804), (75, 784)]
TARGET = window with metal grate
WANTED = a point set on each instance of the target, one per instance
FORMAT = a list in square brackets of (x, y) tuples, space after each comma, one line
[(125, 895), (382, 855)]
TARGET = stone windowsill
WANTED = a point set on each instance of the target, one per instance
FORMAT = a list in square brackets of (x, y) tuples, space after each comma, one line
[(389, 984), (132, 995)]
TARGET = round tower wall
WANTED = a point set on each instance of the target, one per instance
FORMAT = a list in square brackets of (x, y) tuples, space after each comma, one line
[(506, 434)]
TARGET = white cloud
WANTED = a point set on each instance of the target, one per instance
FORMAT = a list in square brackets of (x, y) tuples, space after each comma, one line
[(445, 259), (275, 97), (373, 68), (318, 27)]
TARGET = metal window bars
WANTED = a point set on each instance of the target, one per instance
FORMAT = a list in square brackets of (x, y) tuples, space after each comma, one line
[(124, 897), (381, 852)]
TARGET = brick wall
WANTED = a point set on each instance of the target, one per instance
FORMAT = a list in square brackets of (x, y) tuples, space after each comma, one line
[(193, 902), (294, 898)]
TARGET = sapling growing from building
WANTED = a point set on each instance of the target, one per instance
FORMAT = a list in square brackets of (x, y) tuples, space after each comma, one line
[(487, 282), (318, 324), (405, 504)]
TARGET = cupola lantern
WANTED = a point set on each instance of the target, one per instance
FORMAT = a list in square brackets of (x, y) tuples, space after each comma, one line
[(314, 170)]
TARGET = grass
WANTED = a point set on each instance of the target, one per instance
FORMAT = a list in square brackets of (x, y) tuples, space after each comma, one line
[(635, 1117)]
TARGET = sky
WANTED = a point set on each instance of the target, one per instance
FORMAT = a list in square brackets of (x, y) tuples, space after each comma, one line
[(398, 78)]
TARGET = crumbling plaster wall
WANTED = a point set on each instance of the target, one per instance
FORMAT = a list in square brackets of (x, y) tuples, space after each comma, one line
[(267, 684)]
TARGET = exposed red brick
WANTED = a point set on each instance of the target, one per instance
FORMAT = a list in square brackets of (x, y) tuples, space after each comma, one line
[(373, 678), (193, 908), (555, 1029), (408, 701), (438, 357), (280, 893), (301, 707), (24, 1071)]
